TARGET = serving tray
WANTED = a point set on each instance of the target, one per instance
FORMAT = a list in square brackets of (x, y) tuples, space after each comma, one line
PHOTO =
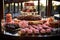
[(55, 32)]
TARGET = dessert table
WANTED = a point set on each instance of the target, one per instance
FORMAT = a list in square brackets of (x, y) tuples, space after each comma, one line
[(55, 32), (46, 35)]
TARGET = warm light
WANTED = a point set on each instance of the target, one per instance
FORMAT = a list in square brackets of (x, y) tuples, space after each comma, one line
[(7, 5), (35, 2), (55, 7), (55, 3), (19, 3), (16, 4), (43, 2), (23, 3), (31, 1), (12, 3)]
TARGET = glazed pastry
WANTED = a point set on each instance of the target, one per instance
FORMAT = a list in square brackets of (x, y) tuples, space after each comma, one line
[(51, 19)]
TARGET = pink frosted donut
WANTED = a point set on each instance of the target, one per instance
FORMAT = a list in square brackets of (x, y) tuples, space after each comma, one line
[(43, 31), (40, 28), (48, 30), (23, 31), (36, 31), (45, 26), (29, 31), (26, 29), (30, 26), (23, 24)]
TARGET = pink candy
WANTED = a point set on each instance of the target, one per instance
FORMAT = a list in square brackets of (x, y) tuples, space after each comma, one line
[(29, 31), (23, 24), (48, 30), (43, 31), (36, 31), (23, 30)]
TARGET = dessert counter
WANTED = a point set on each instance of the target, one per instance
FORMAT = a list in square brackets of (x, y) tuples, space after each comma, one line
[(31, 26), (55, 33)]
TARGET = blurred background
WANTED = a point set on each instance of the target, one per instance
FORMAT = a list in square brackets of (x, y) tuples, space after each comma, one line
[(43, 7)]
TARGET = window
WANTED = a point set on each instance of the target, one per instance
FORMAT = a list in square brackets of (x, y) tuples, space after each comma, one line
[(16, 8), (55, 7)]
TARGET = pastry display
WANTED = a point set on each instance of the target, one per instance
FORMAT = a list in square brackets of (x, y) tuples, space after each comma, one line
[(23, 24), (10, 24), (30, 25)]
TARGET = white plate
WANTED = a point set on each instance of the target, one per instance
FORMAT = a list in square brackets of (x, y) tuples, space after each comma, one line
[(57, 15), (7, 33)]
